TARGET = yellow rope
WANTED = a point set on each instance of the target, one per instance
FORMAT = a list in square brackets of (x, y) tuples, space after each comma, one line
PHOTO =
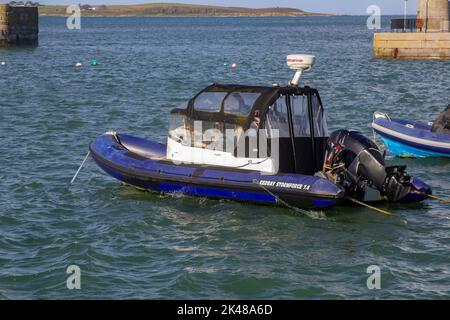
[(432, 196), (137, 188), (370, 207), (435, 197)]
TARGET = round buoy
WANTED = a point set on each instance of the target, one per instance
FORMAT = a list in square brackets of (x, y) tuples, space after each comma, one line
[(78, 64), (234, 66), (3, 63), (225, 64), (94, 62)]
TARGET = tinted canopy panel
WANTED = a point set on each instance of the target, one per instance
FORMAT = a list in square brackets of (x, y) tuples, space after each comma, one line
[(240, 103), (209, 101)]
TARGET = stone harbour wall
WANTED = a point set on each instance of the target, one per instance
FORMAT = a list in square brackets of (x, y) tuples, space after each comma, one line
[(18, 25), (433, 46)]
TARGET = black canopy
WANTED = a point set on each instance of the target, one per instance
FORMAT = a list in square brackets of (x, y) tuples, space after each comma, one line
[(301, 146), (266, 96)]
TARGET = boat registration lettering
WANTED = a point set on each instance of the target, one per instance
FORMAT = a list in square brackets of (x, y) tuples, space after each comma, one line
[(287, 185)]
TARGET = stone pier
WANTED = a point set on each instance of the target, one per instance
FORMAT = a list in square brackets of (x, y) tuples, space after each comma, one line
[(19, 25), (429, 40), (412, 45)]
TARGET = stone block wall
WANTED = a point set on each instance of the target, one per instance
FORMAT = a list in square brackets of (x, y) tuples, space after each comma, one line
[(18, 25)]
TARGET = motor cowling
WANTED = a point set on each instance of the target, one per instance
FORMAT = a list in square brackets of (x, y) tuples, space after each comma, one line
[(442, 123), (357, 164)]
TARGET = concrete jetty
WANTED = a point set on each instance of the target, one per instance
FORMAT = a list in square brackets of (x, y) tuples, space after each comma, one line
[(429, 36), (19, 25)]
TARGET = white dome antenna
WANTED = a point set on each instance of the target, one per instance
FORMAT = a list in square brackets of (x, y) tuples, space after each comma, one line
[(299, 63)]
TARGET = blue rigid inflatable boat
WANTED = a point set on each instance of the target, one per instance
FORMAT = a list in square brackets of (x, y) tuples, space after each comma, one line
[(260, 144), (411, 138), (143, 164)]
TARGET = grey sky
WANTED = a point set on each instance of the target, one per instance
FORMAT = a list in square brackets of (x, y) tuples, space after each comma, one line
[(357, 7)]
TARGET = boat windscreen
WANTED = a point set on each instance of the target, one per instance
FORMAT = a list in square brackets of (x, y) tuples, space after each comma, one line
[(298, 122), (240, 103), (300, 116), (232, 103), (277, 116), (319, 118), (209, 101)]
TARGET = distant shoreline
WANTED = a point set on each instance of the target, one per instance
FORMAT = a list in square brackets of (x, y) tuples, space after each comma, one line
[(189, 16), (176, 10)]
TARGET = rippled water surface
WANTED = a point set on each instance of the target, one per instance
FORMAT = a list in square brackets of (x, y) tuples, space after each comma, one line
[(130, 244)]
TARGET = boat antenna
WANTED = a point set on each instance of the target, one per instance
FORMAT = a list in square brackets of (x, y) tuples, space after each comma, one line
[(299, 63)]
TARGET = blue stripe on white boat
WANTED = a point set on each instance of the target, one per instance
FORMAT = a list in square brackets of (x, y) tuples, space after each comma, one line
[(401, 149), (412, 138)]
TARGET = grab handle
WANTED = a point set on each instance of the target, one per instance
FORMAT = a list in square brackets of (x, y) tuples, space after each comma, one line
[(379, 114)]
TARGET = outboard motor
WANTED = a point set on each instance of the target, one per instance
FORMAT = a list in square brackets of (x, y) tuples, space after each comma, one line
[(442, 123), (356, 163)]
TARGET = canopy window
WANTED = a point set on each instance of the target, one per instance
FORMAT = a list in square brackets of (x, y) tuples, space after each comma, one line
[(300, 116), (277, 118), (302, 128), (319, 118), (240, 103), (209, 101)]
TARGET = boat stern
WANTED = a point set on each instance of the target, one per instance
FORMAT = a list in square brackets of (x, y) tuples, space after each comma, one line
[(419, 191)]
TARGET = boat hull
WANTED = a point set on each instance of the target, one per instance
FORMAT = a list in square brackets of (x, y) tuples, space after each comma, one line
[(411, 138), (142, 164)]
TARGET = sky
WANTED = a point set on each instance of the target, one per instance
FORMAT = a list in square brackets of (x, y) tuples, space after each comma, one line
[(351, 7)]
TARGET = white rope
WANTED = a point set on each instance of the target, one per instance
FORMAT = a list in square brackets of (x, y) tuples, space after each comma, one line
[(78, 171), (284, 203)]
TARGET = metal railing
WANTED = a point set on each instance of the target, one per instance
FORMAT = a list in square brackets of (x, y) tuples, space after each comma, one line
[(405, 25), (419, 25)]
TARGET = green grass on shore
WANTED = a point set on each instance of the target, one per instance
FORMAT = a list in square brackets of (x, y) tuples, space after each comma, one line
[(165, 9)]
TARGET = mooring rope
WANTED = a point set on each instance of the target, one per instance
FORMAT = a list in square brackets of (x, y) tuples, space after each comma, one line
[(370, 207), (82, 163), (433, 196), (437, 198), (284, 203), (309, 213)]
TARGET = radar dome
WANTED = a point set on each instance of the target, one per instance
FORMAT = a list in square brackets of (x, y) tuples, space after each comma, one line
[(299, 63)]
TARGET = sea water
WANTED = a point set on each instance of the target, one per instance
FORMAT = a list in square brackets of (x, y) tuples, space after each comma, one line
[(130, 244)]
